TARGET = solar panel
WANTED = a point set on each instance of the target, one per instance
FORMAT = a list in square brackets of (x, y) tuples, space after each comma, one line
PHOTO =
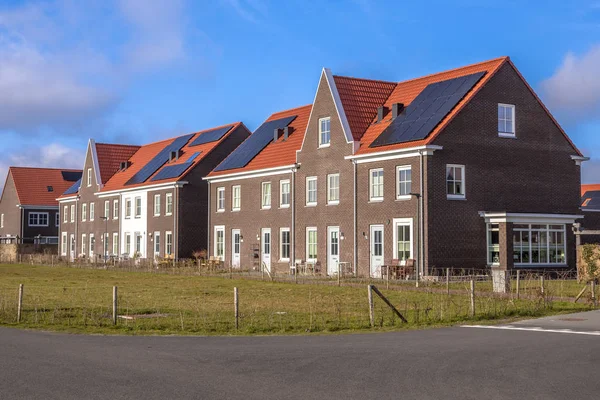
[(158, 161), (254, 144), (194, 156), (211, 136), (70, 176), (594, 200), (427, 110), (74, 188), (171, 171)]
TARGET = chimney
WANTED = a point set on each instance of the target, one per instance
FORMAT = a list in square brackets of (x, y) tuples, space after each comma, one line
[(287, 131), (397, 109), (174, 155), (276, 133), (381, 111)]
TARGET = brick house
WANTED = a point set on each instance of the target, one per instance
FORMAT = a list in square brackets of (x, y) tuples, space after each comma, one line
[(144, 201), (461, 169), (28, 206)]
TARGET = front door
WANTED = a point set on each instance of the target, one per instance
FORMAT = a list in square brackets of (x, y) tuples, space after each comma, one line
[(235, 248), (333, 249), (72, 246), (376, 250), (266, 248)]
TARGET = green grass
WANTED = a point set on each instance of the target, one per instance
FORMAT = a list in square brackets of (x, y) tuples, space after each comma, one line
[(80, 300)]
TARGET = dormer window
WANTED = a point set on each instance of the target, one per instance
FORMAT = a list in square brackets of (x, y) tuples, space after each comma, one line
[(324, 131), (506, 120)]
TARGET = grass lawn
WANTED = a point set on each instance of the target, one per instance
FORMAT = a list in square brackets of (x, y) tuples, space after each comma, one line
[(80, 300)]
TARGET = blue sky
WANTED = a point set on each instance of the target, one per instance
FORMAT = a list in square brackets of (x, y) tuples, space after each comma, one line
[(136, 71)]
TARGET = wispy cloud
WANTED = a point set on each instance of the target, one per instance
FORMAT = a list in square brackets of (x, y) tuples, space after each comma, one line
[(250, 10), (574, 89)]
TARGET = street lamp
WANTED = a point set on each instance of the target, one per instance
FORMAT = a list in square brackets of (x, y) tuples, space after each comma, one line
[(105, 239)]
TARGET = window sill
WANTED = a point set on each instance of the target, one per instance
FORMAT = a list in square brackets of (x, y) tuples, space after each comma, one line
[(544, 265), (236, 209), (157, 215), (507, 135), (310, 205), (455, 197), (220, 211), (168, 214), (282, 260), (322, 146), (376, 200), (403, 197), (333, 203), (284, 206)]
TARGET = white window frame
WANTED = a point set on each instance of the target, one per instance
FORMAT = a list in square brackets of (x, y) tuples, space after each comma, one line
[(322, 131), (138, 243), (72, 212), (460, 196), (84, 246), (372, 195), (89, 177), (331, 200), (138, 207), (2, 220), (168, 243), (64, 244), (513, 133), (289, 244), (310, 179), (265, 201), (289, 192), (155, 243), (56, 220), (169, 204), (92, 248), (157, 205), (106, 209), (115, 244), (492, 227), (128, 208), (92, 211), (221, 199), (128, 243), (66, 212), (37, 219), (116, 209), (308, 230), (219, 228), (399, 183), (548, 230), (83, 212), (236, 198), (404, 222)]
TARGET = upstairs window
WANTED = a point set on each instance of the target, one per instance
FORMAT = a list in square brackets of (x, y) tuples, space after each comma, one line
[(311, 191), (127, 208), (84, 212), (376, 184), (169, 204), (284, 193), (56, 219), (66, 214), (106, 209), (404, 179), (72, 212), (89, 177), (157, 205), (92, 211), (221, 199), (266, 195), (1, 220), (324, 132), (333, 189), (138, 207), (115, 209), (455, 181), (38, 219), (236, 197), (506, 120)]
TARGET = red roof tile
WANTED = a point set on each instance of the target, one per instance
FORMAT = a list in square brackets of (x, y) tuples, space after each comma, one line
[(360, 98), (32, 185), (110, 157), (279, 153), (147, 152)]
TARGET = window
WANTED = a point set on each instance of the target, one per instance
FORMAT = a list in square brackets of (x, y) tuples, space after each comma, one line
[(539, 244), (219, 242), (115, 249), (493, 242), (106, 209), (455, 181), (236, 197), (63, 244), (403, 239), (56, 219), (168, 243), (115, 209), (92, 245), (324, 131), (65, 214), (157, 205), (106, 244), (311, 244), (138, 207), (72, 212), (138, 243), (376, 184), (92, 211), (127, 208), (38, 219), (84, 244), (586, 202), (89, 177), (156, 243), (220, 199), (311, 191), (506, 120), (266, 195), (128, 243), (169, 204), (84, 212), (404, 182), (284, 244), (1, 220), (333, 189), (284, 193)]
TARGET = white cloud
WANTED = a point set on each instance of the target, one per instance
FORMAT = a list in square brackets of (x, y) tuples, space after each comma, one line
[(574, 89)]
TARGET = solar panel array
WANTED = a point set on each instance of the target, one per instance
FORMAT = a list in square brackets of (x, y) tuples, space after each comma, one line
[(194, 156), (171, 171), (158, 161), (427, 110), (254, 144), (211, 136), (594, 200), (74, 188), (70, 176)]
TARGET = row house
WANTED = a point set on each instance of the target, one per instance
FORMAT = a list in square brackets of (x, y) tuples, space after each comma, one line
[(144, 201), (28, 208), (464, 168)]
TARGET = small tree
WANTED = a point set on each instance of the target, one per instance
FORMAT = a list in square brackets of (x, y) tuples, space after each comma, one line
[(589, 262)]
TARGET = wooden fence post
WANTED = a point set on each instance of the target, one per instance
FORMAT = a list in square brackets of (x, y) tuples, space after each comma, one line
[(236, 307), (518, 282), (371, 306), (115, 305), (472, 298), (20, 304), (448, 281), (594, 301)]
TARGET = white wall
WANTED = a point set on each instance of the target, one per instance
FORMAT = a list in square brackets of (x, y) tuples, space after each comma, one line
[(134, 225)]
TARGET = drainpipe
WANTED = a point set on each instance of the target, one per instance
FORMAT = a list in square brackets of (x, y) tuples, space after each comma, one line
[(176, 224), (22, 223), (421, 219), (354, 238), (208, 228), (76, 226)]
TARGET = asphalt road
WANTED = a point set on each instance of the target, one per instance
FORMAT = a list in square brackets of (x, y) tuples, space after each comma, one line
[(448, 363)]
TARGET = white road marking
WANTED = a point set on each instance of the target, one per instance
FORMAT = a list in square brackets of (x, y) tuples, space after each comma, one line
[(533, 329)]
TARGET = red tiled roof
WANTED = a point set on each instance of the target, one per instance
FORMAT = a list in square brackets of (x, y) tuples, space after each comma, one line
[(360, 98), (589, 188), (279, 153), (147, 152), (32, 185), (110, 157)]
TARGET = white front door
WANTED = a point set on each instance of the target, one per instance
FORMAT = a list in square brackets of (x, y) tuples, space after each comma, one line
[(235, 248), (376, 250), (266, 248), (333, 249)]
